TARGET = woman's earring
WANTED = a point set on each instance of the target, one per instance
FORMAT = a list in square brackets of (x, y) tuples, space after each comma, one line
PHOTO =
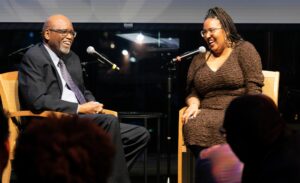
[(228, 42)]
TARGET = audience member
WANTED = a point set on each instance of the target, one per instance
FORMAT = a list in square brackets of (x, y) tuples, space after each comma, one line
[(260, 138), (224, 165), (66, 150)]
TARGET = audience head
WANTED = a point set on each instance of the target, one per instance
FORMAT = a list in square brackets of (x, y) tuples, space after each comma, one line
[(252, 124), (65, 150), (219, 30), (4, 144), (58, 33)]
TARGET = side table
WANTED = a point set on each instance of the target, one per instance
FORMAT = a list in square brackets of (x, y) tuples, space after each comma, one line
[(145, 116)]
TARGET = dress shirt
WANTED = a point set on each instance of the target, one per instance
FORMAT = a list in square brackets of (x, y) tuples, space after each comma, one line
[(67, 94)]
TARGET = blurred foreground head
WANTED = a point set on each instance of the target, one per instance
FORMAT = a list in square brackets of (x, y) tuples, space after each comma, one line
[(252, 124), (4, 144), (65, 150)]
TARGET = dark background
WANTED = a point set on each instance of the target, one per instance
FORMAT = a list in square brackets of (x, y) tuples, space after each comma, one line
[(142, 86)]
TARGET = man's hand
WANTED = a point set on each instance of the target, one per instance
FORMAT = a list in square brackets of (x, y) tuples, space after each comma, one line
[(90, 108)]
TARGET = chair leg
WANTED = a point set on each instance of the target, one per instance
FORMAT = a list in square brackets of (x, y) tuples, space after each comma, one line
[(191, 173), (6, 173), (188, 167), (179, 165), (13, 134)]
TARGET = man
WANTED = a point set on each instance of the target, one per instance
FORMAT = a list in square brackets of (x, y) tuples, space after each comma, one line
[(50, 78)]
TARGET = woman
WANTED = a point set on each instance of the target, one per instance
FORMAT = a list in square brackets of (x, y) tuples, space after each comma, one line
[(231, 68)]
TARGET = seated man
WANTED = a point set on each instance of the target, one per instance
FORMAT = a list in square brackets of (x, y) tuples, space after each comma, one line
[(4, 145), (261, 140), (65, 150), (50, 78)]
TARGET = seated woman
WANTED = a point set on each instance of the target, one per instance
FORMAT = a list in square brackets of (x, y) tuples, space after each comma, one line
[(231, 68)]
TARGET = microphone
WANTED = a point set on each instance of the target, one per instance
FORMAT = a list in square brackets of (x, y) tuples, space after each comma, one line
[(91, 50), (201, 49)]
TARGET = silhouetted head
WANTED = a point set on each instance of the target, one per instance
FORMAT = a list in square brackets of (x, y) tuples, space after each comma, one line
[(4, 144), (65, 150), (252, 124)]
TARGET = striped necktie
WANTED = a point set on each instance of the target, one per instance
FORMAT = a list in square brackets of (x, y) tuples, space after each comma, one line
[(70, 83)]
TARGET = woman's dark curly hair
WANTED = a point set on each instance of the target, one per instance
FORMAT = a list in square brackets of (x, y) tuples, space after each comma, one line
[(226, 22)]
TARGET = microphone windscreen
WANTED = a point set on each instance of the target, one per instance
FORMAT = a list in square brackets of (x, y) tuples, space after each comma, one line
[(90, 50), (202, 49)]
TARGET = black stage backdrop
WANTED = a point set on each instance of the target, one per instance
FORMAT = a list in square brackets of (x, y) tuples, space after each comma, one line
[(141, 85)]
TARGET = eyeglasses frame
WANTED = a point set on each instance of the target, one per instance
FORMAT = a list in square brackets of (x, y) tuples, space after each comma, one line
[(210, 30), (64, 32)]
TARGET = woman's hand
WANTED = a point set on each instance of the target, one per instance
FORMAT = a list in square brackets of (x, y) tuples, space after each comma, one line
[(191, 112)]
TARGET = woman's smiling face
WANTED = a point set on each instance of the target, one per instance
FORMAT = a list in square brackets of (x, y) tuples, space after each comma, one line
[(214, 35)]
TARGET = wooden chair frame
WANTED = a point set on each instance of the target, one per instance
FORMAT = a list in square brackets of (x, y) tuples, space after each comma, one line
[(270, 88)]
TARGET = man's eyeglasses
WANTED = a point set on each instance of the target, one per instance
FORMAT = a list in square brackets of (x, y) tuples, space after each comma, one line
[(210, 30), (64, 32)]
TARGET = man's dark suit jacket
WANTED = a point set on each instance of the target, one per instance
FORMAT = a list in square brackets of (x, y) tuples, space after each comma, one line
[(40, 87)]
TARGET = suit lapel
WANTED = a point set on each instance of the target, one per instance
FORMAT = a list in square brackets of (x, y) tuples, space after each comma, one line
[(45, 52)]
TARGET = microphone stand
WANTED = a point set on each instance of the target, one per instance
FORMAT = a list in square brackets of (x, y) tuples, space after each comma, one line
[(20, 51), (85, 64), (171, 70)]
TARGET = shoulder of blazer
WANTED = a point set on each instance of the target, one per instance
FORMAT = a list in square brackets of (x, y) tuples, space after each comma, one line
[(38, 53)]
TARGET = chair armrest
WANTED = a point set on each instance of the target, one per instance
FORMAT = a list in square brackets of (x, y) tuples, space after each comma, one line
[(45, 114), (107, 111), (42, 114), (50, 113), (14, 116), (181, 144), (181, 111), (181, 147)]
